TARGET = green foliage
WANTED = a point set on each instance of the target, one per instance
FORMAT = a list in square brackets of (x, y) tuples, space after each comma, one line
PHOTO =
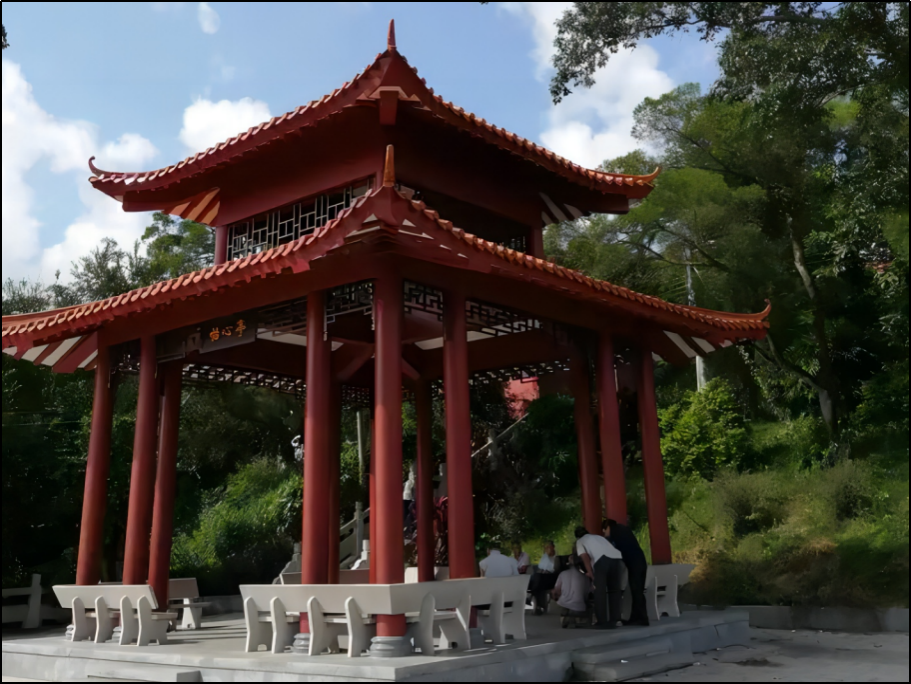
[(816, 538), (897, 232), (705, 432), (245, 532), (527, 486), (5, 43), (176, 247), (798, 53)]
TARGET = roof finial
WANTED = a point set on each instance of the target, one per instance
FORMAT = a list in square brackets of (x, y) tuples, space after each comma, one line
[(390, 42), (389, 171)]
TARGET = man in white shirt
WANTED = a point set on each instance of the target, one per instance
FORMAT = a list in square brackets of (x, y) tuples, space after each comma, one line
[(498, 565), (604, 566), (545, 578)]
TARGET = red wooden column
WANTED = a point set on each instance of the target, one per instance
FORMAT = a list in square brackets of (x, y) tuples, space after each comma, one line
[(317, 443), (166, 484), (653, 462), (97, 471), (389, 551), (424, 491), (221, 245), (372, 494), (611, 443), (462, 563), (335, 473), (142, 480), (588, 457)]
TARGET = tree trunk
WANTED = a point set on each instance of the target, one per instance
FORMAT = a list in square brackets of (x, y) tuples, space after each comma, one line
[(827, 384)]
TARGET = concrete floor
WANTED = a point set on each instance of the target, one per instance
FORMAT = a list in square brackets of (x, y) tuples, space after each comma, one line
[(774, 656), (803, 657)]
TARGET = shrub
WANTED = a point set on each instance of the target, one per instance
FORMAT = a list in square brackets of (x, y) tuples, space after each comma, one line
[(245, 532), (752, 503), (823, 537), (704, 432)]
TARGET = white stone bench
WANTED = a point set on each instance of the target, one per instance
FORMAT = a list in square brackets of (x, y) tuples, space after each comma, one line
[(29, 614), (662, 583), (338, 610), (136, 607), (183, 596), (499, 622)]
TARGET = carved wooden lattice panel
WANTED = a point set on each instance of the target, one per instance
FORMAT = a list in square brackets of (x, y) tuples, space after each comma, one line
[(267, 231), (496, 321), (423, 298)]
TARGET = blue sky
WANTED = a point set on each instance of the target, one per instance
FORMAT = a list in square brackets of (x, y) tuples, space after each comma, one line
[(141, 85)]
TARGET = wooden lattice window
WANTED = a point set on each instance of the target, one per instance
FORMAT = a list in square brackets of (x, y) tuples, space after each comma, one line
[(270, 230)]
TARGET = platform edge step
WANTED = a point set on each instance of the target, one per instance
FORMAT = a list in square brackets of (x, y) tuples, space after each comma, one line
[(646, 667)]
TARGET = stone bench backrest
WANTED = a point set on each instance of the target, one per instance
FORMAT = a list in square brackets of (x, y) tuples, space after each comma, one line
[(371, 599), (483, 590), (111, 593), (665, 573), (180, 589), (345, 577)]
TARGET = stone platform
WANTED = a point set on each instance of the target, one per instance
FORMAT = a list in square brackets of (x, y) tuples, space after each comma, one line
[(215, 654)]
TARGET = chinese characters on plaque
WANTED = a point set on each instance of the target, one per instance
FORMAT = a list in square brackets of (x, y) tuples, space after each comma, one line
[(228, 332)]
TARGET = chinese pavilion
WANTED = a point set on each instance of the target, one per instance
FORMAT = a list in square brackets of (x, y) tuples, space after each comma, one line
[(379, 238)]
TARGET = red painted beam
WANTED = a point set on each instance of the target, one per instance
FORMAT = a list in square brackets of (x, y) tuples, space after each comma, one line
[(348, 360)]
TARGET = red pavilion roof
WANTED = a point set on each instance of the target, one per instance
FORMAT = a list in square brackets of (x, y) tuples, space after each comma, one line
[(383, 212), (389, 76)]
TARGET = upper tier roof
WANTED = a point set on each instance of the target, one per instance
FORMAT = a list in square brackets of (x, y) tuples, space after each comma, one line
[(388, 81)]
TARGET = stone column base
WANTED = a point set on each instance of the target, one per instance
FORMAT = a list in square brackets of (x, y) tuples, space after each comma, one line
[(390, 647)]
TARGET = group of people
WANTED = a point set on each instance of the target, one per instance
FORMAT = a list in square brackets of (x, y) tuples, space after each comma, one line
[(591, 576)]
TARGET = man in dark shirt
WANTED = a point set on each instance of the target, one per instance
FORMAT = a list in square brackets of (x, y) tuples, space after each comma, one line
[(626, 543)]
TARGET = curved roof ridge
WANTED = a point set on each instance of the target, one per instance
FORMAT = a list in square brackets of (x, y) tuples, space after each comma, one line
[(76, 320), (282, 125), (754, 321)]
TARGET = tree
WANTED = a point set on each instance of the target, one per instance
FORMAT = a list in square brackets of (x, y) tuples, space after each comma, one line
[(5, 43), (175, 248), (803, 53)]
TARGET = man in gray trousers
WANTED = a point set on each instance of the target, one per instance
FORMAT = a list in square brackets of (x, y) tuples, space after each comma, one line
[(604, 566)]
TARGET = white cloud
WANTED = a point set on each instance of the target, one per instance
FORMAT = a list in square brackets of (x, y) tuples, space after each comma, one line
[(592, 125), (209, 21), (32, 136), (207, 123)]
